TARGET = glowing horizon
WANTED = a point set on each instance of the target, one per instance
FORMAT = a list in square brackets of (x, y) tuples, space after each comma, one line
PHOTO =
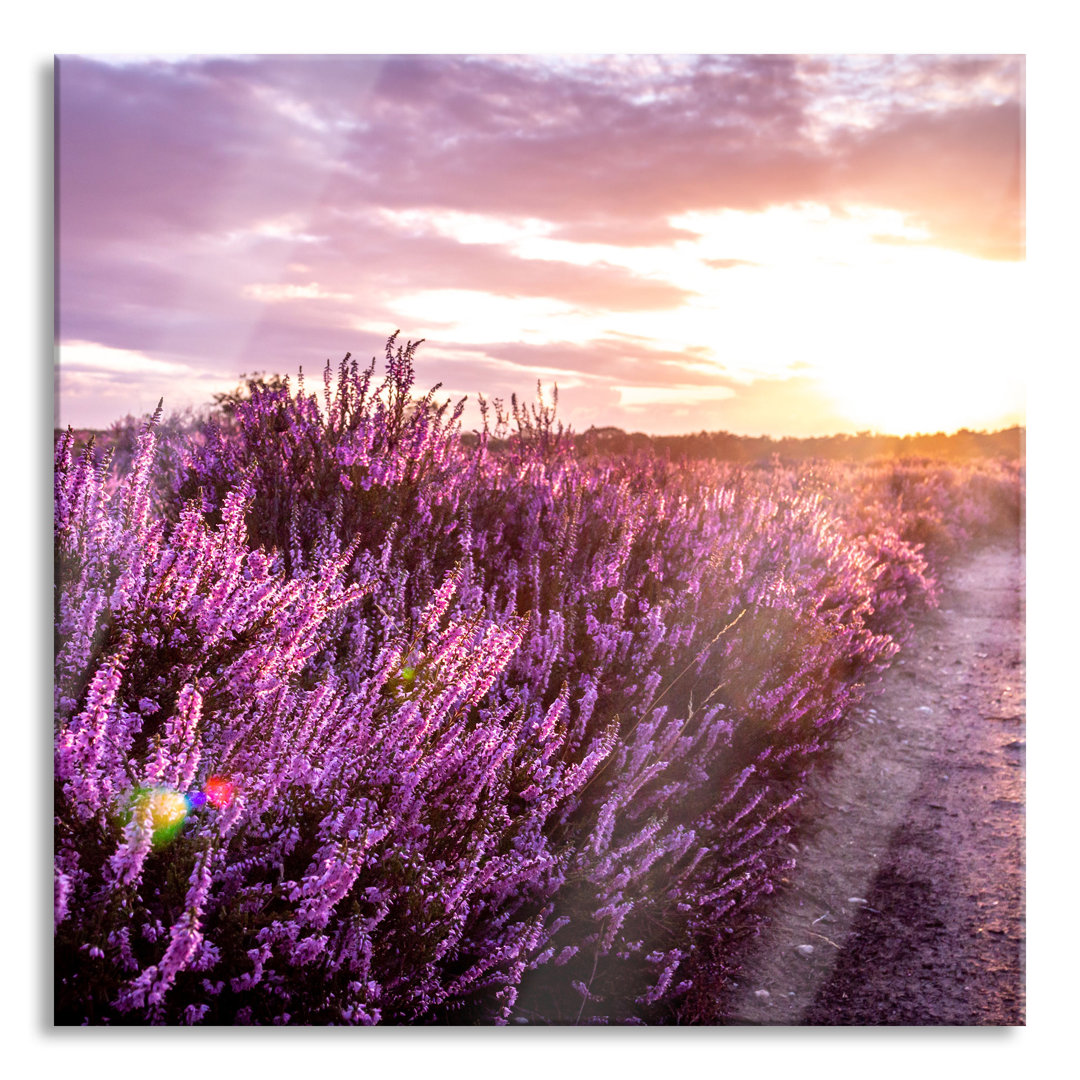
[(758, 244)]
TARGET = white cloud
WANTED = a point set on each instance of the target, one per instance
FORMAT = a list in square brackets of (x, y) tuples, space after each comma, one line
[(273, 294), (92, 358)]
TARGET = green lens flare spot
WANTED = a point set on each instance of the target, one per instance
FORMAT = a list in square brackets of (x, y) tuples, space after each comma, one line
[(168, 811)]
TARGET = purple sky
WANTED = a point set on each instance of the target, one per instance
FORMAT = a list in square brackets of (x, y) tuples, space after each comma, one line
[(763, 244)]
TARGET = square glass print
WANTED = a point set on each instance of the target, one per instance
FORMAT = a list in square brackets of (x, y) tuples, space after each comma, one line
[(539, 540)]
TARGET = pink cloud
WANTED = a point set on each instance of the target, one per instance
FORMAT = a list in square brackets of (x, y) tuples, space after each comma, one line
[(960, 174), (619, 361), (623, 232), (174, 180)]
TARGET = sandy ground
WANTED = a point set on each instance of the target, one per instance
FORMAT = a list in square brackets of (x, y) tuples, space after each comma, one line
[(907, 905)]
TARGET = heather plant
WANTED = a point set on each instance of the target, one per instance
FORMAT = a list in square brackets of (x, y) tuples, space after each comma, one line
[(352, 464), (358, 721), (393, 794)]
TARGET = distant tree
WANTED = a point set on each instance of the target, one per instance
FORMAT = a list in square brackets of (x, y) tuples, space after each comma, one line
[(226, 401)]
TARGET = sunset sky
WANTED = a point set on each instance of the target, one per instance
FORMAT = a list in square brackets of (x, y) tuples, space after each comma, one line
[(761, 244)]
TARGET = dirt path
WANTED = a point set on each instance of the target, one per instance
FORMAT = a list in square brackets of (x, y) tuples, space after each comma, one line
[(907, 906)]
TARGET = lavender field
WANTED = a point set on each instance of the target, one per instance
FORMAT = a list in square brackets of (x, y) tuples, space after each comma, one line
[(361, 718)]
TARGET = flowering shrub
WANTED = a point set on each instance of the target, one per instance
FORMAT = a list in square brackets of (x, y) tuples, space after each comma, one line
[(357, 722)]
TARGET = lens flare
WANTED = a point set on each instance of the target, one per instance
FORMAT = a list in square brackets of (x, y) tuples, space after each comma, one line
[(219, 791), (168, 811)]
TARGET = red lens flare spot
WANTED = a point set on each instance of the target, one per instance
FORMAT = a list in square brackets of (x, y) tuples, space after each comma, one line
[(219, 791)]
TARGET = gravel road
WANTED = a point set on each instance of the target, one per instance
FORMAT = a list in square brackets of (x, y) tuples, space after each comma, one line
[(907, 905)]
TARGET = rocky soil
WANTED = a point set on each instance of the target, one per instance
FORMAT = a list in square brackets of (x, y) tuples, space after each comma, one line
[(907, 905)]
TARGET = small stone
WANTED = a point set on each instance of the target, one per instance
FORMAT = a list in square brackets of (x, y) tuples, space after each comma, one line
[(857, 900), (520, 1020), (763, 994), (925, 708), (805, 950)]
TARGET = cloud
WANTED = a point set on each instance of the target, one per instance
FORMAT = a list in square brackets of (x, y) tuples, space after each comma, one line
[(417, 262), (619, 362), (959, 175), (89, 356), (728, 264), (596, 149), (278, 293), (230, 214), (99, 384), (625, 232)]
